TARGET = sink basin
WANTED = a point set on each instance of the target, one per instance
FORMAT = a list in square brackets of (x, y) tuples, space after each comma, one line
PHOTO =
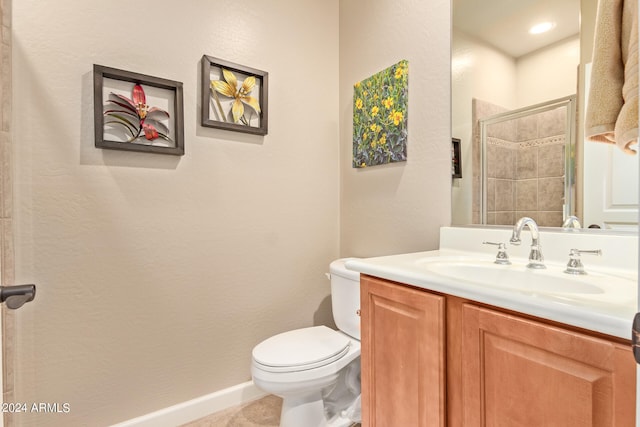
[(514, 276), (604, 300), (550, 283)]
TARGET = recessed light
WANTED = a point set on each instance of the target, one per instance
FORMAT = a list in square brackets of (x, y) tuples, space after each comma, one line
[(542, 27)]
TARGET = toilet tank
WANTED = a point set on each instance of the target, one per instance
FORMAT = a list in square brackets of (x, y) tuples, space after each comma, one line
[(345, 297)]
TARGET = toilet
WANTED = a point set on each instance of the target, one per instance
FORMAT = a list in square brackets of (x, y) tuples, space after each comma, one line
[(316, 370)]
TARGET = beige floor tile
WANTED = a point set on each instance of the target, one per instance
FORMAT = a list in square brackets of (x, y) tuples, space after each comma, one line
[(263, 412)]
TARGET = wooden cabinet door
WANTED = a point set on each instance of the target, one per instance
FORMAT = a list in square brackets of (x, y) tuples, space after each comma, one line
[(403, 369), (518, 372)]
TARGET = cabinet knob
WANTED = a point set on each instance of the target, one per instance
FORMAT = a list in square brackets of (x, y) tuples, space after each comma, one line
[(358, 312)]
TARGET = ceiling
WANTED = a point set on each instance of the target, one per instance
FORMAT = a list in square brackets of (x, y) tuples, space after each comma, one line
[(505, 24)]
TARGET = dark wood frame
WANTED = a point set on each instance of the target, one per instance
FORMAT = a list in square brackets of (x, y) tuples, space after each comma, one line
[(209, 62), (100, 73), (456, 158)]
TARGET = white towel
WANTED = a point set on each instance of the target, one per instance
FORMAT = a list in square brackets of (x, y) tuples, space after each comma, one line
[(612, 108)]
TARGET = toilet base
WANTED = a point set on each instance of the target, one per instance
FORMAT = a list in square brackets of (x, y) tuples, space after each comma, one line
[(309, 411), (305, 410)]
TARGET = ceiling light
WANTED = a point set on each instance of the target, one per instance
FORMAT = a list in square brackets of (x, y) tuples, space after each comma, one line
[(542, 27)]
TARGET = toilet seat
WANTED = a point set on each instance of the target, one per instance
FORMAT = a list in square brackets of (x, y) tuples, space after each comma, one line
[(300, 349)]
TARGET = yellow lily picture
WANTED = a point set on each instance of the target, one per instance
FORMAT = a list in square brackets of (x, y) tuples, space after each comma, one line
[(234, 97), (229, 88)]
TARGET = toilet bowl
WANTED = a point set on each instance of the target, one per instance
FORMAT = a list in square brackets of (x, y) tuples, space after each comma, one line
[(316, 370)]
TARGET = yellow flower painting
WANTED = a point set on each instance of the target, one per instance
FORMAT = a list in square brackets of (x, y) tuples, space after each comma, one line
[(380, 112)]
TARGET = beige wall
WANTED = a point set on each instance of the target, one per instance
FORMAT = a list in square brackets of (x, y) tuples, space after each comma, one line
[(7, 264), (398, 207), (549, 73), (158, 274), (484, 73)]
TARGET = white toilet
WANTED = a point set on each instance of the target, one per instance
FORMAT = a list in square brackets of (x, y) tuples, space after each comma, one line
[(316, 370)]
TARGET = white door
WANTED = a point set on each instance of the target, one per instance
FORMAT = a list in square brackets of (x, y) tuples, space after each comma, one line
[(610, 193), (610, 187)]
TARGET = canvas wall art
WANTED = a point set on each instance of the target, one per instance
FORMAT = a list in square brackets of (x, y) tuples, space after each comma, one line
[(380, 117)]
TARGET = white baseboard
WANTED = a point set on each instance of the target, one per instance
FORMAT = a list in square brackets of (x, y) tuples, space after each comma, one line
[(191, 410)]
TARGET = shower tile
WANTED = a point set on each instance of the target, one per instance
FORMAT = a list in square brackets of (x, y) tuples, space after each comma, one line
[(550, 219), (504, 195), (552, 123), (491, 194), (530, 214), (475, 157), (551, 197), (492, 160), (491, 218), (475, 196), (551, 160), (527, 163), (527, 195), (483, 109), (500, 162), (505, 218), (505, 131), (527, 128)]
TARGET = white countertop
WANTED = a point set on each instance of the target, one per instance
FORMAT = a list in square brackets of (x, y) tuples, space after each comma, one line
[(607, 314)]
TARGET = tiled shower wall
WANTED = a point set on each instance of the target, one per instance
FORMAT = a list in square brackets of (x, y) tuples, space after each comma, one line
[(525, 168), (7, 274)]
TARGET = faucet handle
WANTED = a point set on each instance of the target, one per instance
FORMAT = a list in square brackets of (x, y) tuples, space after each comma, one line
[(571, 222), (502, 257), (575, 266)]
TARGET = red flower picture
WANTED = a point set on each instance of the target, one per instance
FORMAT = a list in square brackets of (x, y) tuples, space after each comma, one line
[(136, 117)]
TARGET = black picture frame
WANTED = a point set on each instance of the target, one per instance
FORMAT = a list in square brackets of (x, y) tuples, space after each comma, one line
[(116, 134), (456, 159), (217, 115)]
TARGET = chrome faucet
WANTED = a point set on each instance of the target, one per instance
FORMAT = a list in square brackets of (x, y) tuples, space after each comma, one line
[(575, 266), (571, 222), (535, 256)]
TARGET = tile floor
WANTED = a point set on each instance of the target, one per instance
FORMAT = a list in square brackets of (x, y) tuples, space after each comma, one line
[(263, 412)]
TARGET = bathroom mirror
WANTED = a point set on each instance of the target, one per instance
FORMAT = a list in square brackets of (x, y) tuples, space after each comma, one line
[(499, 69), (526, 162)]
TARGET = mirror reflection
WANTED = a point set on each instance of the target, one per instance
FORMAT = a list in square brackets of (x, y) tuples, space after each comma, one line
[(526, 166), (515, 90)]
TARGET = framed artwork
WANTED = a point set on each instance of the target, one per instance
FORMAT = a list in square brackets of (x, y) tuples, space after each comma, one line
[(456, 160), (380, 117), (234, 97), (137, 112)]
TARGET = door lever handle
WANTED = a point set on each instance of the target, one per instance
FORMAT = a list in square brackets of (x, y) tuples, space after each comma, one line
[(635, 337), (17, 296)]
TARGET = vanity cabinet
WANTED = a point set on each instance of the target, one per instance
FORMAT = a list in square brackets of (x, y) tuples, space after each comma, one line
[(520, 372), (402, 355), (436, 360)]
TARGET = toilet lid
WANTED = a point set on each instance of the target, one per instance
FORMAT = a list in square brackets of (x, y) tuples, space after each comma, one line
[(301, 349)]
